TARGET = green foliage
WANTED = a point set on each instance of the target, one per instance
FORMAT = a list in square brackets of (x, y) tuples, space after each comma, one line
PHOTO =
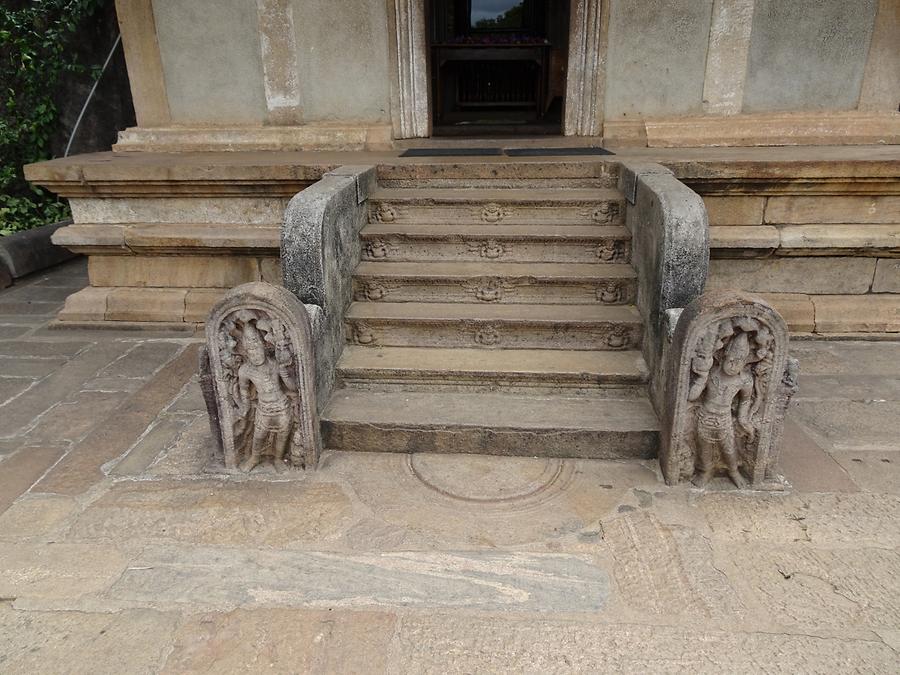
[(36, 47)]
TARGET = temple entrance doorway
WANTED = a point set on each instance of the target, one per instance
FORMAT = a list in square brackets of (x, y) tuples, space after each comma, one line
[(497, 66)]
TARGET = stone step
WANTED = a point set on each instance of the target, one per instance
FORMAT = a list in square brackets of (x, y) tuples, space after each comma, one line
[(586, 206), (501, 282), (491, 368), (515, 243), (490, 423), (492, 326), (499, 172)]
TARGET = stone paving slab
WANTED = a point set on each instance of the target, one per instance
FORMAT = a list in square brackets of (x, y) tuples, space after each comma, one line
[(222, 513), (873, 471), (134, 641), (282, 640), (801, 588), (83, 466), (394, 563), (851, 425), (229, 578), (447, 643)]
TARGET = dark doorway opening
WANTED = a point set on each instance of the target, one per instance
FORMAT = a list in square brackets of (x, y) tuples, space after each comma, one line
[(498, 66)]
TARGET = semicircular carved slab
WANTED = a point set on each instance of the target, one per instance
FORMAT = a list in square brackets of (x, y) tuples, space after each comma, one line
[(257, 373), (729, 383)]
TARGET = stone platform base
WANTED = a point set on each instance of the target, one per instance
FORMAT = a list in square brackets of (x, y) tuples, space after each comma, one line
[(814, 230)]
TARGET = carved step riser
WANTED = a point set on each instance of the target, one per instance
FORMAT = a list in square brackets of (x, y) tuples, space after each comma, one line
[(632, 392), (500, 291), (458, 248), (494, 335), (523, 382), (495, 183), (586, 444), (595, 213)]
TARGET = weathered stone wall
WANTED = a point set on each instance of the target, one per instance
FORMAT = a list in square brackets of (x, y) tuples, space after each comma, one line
[(668, 72), (825, 251)]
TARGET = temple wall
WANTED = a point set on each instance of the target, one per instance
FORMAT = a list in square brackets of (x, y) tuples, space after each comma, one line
[(317, 73)]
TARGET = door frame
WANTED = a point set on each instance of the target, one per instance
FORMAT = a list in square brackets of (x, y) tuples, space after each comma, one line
[(411, 114)]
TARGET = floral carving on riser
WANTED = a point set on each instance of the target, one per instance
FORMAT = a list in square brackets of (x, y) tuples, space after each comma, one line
[(383, 213), (494, 213), (257, 371), (610, 293), (729, 384), (610, 250), (378, 249), (603, 213), (491, 249)]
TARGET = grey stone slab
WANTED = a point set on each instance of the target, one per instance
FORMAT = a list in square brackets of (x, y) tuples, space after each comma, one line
[(34, 368), (472, 501), (10, 387), (19, 414), (808, 467), (285, 514), (853, 520), (58, 570), (189, 401), (688, 584), (454, 643), (808, 54), (189, 454), (851, 425), (657, 57), (800, 587), (142, 360), (120, 384), (484, 580), (838, 358), (211, 61), (133, 641), (44, 349), (872, 471), (11, 308), (850, 387), (13, 331), (157, 440), (73, 419), (35, 293), (36, 517), (283, 640)]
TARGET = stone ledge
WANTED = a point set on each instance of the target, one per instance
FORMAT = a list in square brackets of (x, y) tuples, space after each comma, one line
[(761, 129), (146, 308), (874, 313), (179, 238), (345, 137), (858, 240)]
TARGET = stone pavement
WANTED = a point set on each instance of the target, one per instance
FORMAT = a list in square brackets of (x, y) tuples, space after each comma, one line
[(120, 553)]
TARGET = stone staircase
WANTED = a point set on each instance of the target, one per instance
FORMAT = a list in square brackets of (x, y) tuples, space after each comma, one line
[(495, 320)]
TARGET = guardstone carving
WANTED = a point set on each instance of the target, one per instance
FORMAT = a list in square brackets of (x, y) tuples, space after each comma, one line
[(257, 372), (729, 383)]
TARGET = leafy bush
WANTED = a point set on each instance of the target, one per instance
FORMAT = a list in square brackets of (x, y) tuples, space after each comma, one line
[(36, 40)]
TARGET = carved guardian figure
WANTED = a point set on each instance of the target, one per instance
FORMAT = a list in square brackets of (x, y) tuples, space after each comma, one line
[(257, 377), (727, 392)]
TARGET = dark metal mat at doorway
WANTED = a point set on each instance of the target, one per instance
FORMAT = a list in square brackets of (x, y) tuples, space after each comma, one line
[(498, 152)]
